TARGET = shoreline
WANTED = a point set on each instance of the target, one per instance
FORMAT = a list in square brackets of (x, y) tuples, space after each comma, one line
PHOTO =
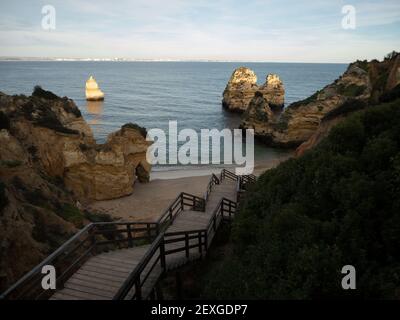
[(149, 200), (184, 172)]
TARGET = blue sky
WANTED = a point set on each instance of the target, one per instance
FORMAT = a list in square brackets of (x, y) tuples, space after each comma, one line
[(252, 30)]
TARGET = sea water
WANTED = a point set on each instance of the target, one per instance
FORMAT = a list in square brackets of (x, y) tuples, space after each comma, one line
[(153, 93)]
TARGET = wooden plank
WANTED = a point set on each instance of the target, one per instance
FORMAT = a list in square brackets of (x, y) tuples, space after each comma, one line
[(112, 260), (119, 269), (78, 294), (92, 285), (63, 296), (104, 271), (112, 283), (112, 277), (105, 261), (128, 253), (102, 294)]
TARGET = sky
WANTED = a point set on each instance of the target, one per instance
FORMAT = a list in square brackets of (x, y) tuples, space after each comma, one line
[(237, 30)]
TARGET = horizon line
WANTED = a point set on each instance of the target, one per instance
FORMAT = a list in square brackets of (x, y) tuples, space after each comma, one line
[(121, 59)]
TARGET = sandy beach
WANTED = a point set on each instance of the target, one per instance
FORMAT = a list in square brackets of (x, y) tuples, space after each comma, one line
[(149, 200)]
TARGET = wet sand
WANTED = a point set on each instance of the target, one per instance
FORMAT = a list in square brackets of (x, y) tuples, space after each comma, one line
[(149, 200)]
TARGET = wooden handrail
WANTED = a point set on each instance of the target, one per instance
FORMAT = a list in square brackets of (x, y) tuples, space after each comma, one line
[(213, 181), (183, 199), (134, 277), (144, 230), (228, 174), (245, 180), (219, 211), (77, 249)]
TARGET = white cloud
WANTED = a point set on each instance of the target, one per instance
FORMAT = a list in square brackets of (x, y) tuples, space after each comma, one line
[(227, 30)]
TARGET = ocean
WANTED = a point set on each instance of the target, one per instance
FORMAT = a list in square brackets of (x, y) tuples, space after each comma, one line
[(153, 93)]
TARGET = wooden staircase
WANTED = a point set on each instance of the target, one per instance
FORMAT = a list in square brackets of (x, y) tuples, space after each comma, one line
[(126, 260)]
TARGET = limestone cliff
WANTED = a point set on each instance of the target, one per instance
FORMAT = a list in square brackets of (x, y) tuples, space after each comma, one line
[(362, 83), (49, 164), (65, 148), (108, 171), (243, 85)]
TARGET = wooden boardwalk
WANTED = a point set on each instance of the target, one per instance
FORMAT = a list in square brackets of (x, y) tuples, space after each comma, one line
[(102, 275), (126, 259)]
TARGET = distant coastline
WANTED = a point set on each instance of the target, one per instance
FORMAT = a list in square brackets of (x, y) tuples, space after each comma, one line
[(120, 59)]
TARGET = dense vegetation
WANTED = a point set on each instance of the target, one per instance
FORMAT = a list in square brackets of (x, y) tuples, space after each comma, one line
[(3, 196), (338, 204), (142, 130), (4, 121)]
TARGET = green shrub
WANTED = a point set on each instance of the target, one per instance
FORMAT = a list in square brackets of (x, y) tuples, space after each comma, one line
[(35, 197), (50, 121), (363, 64), (351, 90), (347, 107), (392, 55), (4, 121), (98, 217), (390, 95), (40, 93), (71, 108), (10, 163), (71, 214), (310, 99), (302, 222), (3, 196), (135, 126)]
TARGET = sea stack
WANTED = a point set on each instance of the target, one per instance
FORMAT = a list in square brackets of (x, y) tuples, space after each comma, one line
[(303, 124), (242, 87), (93, 92)]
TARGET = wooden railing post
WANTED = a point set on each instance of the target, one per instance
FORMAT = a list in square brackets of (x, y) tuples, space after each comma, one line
[(162, 256), (138, 289), (93, 240), (148, 231), (130, 240), (187, 245), (200, 243), (170, 214)]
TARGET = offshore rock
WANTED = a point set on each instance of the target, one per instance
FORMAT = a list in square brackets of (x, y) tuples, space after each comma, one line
[(243, 85), (93, 92)]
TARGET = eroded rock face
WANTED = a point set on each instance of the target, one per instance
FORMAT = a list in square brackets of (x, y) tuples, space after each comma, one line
[(108, 171), (274, 91), (65, 148), (257, 114), (243, 85), (362, 83), (31, 208)]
